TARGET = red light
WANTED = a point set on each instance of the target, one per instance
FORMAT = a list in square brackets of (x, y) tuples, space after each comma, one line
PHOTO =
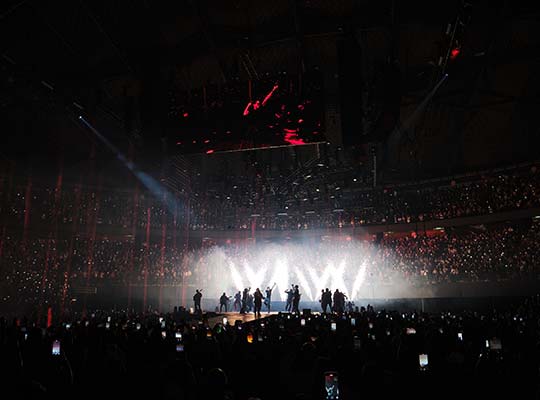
[(454, 53), (207, 141), (292, 138), (300, 120), (209, 151), (186, 115)]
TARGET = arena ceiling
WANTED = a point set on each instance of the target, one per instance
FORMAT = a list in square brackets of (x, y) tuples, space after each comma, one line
[(62, 58)]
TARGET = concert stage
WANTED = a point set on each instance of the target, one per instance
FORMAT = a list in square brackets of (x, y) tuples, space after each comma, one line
[(232, 317)]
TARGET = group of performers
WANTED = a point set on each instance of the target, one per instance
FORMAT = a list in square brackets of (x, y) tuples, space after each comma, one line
[(245, 302)]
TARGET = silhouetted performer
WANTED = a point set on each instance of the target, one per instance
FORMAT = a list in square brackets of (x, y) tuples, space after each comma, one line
[(290, 293), (237, 301), (223, 302), (296, 299), (328, 298), (257, 301), (197, 300), (268, 299), (245, 296), (250, 302), (323, 301)]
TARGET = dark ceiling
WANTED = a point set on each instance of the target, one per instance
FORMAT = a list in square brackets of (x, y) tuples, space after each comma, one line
[(98, 53)]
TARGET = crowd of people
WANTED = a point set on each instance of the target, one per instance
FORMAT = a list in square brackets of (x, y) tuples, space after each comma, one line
[(333, 197), (322, 197), (44, 268), (367, 353)]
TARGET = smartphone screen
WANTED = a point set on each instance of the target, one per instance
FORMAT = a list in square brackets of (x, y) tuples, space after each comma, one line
[(179, 347), (495, 344), (331, 386), (225, 320), (423, 361), (56, 348), (249, 338), (178, 336), (460, 336), (353, 321), (107, 325), (410, 331), (302, 322), (333, 326), (357, 343), (163, 334)]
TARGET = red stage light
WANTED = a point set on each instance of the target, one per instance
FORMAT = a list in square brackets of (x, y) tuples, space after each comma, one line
[(292, 138), (186, 115), (209, 151), (454, 53)]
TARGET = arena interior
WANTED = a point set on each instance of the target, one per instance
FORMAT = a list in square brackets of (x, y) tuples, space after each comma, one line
[(291, 199)]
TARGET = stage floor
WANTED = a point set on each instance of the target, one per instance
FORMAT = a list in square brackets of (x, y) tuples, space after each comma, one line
[(232, 317)]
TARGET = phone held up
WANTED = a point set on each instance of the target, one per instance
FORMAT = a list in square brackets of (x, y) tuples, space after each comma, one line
[(331, 386), (423, 362), (56, 348)]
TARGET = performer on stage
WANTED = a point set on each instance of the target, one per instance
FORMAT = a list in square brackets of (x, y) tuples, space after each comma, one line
[(197, 300), (223, 302), (245, 298), (290, 293), (268, 299), (237, 301), (322, 300), (296, 299), (326, 302), (257, 301)]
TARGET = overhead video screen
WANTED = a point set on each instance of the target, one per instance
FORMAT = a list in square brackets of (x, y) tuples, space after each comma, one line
[(272, 111)]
